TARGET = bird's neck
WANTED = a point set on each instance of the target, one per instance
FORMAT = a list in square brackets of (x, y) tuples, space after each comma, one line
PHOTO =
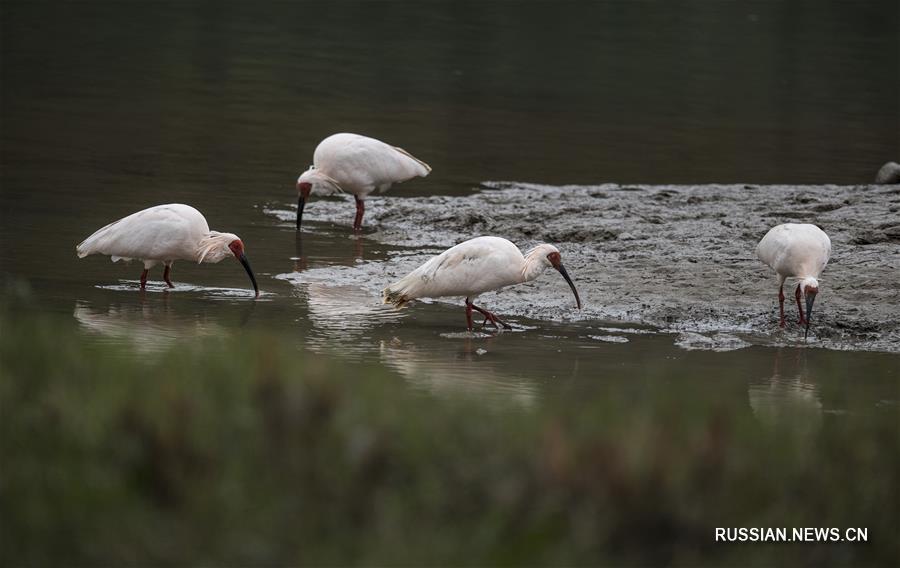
[(326, 182), (210, 247), (532, 268)]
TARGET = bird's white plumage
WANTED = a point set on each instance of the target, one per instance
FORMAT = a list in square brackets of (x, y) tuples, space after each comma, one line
[(471, 268), (163, 233), (795, 250), (359, 165)]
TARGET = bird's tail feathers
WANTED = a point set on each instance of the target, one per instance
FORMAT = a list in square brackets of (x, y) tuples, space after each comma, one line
[(425, 168), (94, 243)]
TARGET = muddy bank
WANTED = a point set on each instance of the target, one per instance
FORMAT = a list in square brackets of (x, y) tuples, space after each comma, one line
[(678, 258)]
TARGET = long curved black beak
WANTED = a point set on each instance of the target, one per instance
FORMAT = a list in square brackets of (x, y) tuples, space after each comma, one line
[(562, 270), (246, 263), (301, 202), (810, 298)]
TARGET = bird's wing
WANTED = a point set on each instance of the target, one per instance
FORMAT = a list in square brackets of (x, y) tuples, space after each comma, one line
[(469, 268), (795, 249), (808, 251), (826, 249), (399, 166), (423, 169), (163, 232), (361, 164), (772, 245)]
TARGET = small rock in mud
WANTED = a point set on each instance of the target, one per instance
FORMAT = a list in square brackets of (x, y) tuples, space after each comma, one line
[(888, 174)]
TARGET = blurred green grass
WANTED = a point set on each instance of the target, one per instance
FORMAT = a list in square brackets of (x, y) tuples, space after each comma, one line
[(246, 450)]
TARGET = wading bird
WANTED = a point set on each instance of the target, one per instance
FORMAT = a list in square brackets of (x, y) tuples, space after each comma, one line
[(796, 251), (471, 268), (165, 233), (350, 163)]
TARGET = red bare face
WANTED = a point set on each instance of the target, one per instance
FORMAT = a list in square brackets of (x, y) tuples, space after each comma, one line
[(237, 248), (304, 188), (555, 259), (811, 290)]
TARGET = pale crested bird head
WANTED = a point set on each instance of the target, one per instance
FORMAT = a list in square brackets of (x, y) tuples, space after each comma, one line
[(305, 182), (314, 182), (541, 254), (215, 246), (810, 287), (545, 256)]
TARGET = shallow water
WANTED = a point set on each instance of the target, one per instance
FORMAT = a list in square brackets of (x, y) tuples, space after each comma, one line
[(108, 109)]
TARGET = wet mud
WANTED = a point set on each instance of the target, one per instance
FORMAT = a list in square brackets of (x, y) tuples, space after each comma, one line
[(680, 259)]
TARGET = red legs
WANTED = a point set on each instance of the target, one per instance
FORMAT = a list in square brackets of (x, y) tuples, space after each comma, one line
[(797, 295), (488, 316), (781, 301), (166, 275), (799, 307), (360, 210)]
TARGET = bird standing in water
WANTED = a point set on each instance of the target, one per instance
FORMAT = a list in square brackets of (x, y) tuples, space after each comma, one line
[(165, 233), (350, 163), (796, 251), (473, 267)]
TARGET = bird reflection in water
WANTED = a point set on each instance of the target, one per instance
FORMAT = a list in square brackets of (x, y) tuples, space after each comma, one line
[(301, 261), (148, 326), (343, 314), (788, 393), (466, 370)]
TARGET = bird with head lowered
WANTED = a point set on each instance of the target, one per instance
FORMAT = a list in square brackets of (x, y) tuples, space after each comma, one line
[(799, 251), (473, 267), (358, 165), (164, 234)]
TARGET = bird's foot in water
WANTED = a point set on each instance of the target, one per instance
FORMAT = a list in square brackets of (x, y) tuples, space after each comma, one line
[(494, 320), (488, 317)]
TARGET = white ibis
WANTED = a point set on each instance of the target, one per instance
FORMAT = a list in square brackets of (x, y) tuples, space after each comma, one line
[(350, 163), (471, 268), (165, 233), (796, 251)]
